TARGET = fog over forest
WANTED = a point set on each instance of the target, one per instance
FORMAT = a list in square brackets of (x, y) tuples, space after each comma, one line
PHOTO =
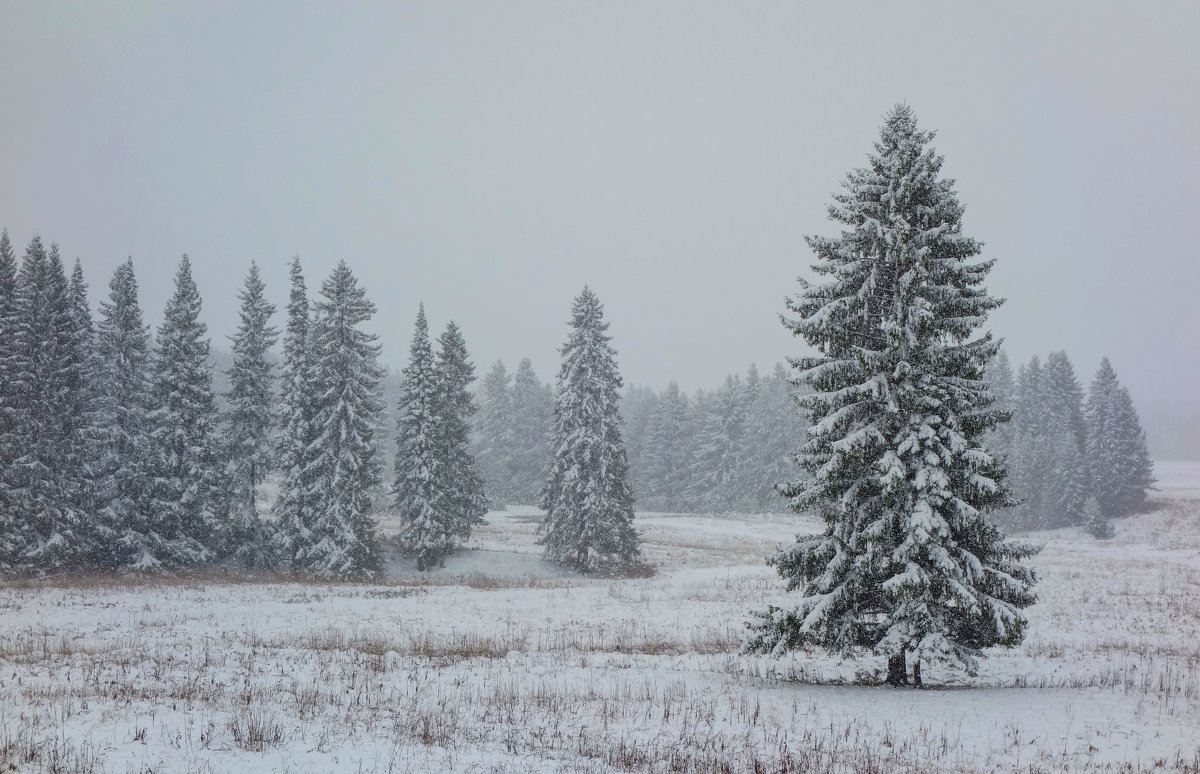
[(491, 160), (598, 388)]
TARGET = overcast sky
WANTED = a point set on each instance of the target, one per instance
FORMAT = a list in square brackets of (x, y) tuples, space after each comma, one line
[(492, 158)]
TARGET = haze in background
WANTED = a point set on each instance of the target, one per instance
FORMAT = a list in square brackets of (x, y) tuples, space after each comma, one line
[(491, 158)]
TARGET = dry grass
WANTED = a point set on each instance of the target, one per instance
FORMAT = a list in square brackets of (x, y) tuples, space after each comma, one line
[(476, 672)]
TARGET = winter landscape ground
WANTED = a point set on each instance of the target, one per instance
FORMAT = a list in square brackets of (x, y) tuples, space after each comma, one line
[(501, 663)]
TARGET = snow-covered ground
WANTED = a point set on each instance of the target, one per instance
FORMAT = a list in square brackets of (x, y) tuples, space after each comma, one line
[(501, 663)]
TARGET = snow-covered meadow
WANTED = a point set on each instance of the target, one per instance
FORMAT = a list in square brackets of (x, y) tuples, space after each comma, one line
[(501, 663)]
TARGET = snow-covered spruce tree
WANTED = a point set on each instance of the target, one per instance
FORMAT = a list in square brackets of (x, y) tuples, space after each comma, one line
[(185, 501), (344, 472), (587, 499), (781, 424), (249, 424), (669, 449), (719, 463), (532, 416), (1029, 458), (1069, 482), (494, 435), (9, 540), (637, 411), (457, 475), (44, 477), (416, 494), (1117, 456), (1137, 469), (134, 537), (909, 564), (1103, 457), (292, 540), (89, 429)]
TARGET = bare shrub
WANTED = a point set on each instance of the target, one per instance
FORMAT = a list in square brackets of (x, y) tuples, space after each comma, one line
[(255, 730)]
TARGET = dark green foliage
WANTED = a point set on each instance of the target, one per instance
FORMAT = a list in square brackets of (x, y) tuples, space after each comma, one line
[(909, 562), (184, 504), (247, 440), (587, 497), (343, 473)]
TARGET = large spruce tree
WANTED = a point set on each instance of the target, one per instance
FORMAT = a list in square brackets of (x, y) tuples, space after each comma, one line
[(292, 540), (344, 473), (1069, 482), (8, 449), (134, 539), (185, 500), (249, 424), (909, 564), (46, 422), (1117, 455), (457, 474), (417, 494), (587, 497)]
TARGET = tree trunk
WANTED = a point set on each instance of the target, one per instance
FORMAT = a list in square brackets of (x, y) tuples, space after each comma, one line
[(917, 673), (897, 671)]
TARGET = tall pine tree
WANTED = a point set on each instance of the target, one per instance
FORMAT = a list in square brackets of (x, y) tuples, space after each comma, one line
[(133, 538), (45, 442), (298, 492), (457, 474), (909, 565), (417, 494), (1069, 482), (9, 541), (344, 474), (532, 415), (494, 436), (1117, 455), (185, 501), (587, 497), (249, 423)]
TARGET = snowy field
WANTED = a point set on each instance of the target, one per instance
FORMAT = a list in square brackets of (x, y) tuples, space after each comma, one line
[(501, 663)]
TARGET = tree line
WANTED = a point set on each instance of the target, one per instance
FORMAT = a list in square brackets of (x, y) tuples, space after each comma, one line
[(1071, 461), (715, 451), (114, 454)]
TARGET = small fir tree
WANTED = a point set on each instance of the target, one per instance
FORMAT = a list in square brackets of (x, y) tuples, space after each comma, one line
[(909, 564), (1094, 520), (588, 502)]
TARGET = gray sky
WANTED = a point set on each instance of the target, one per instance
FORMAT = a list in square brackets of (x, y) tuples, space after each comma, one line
[(491, 158)]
